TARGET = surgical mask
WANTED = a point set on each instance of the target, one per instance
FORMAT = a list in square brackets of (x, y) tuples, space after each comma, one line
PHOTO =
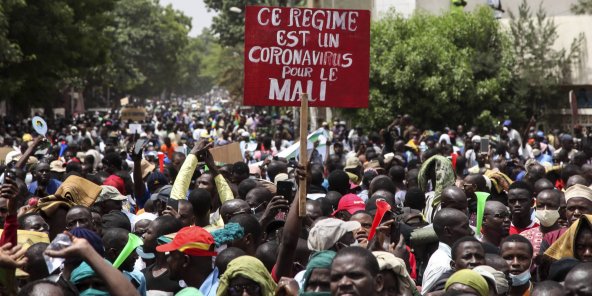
[(547, 217), (93, 292), (520, 279)]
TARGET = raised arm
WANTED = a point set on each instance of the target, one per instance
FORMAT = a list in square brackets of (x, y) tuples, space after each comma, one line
[(23, 160), (116, 282), (290, 235), (183, 180)]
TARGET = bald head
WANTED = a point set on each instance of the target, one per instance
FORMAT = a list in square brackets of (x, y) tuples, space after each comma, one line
[(576, 179), (542, 184), (450, 225), (550, 199), (477, 180), (577, 281), (233, 207), (455, 198)]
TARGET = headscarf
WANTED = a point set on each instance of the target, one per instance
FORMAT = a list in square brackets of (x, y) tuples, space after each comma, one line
[(564, 246), (469, 278), (388, 261), (251, 268), (92, 237), (500, 181), (84, 271), (445, 176), (79, 190), (321, 260)]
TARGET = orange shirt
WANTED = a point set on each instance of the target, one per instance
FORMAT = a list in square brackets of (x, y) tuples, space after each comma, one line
[(168, 150)]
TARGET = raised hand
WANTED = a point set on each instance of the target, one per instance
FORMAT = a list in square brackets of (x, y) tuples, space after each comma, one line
[(12, 257)]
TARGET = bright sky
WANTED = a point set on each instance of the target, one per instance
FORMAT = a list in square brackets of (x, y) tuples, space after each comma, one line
[(196, 9)]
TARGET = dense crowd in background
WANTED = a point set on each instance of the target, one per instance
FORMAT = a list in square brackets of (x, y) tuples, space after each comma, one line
[(98, 207)]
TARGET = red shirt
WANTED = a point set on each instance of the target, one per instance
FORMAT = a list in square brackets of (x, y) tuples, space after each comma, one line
[(516, 230)]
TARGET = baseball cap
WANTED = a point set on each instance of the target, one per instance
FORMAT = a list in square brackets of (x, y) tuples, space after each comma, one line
[(116, 182), (476, 139), (190, 240), (110, 193), (156, 179), (325, 233), (164, 193), (352, 163), (116, 219), (57, 166), (494, 277), (351, 203)]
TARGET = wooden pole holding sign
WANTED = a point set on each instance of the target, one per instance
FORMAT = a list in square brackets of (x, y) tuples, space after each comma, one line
[(303, 153)]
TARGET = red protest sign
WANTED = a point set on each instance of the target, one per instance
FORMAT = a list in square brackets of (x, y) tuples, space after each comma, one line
[(321, 52)]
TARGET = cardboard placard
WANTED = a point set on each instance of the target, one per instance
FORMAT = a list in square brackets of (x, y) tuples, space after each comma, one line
[(133, 114), (321, 52), (124, 101), (227, 154), (27, 238), (3, 152), (135, 128)]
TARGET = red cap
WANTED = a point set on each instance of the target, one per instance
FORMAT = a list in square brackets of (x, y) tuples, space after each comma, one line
[(116, 182), (191, 240), (351, 203)]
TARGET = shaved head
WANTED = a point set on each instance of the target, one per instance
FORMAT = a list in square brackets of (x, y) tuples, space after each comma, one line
[(455, 198), (577, 281)]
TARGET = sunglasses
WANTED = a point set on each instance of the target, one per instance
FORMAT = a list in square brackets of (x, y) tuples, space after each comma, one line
[(3, 210), (237, 290)]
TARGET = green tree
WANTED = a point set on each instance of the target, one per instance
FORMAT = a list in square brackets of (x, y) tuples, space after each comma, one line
[(51, 46), (443, 70), (148, 43), (540, 67), (230, 25), (582, 7), (193, 78)]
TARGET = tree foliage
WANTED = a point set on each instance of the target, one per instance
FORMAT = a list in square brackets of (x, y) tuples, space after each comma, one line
[(442, 69), (539, 66), (230, 25), (147, 49), (582, 7), (47, 46)]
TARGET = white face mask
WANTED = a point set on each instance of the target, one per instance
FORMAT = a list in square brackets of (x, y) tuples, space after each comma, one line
[(547, 217), (520, 279)]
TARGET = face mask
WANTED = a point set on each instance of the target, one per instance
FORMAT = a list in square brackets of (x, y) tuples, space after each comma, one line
[(547, 217), (520, 279), (93, 292)]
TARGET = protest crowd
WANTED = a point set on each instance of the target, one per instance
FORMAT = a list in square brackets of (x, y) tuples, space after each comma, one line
[(94, 208)]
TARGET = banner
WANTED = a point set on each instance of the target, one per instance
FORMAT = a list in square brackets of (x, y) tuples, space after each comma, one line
[(321, 52)]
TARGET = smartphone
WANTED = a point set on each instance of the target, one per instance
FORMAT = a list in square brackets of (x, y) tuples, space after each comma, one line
[(284, 188), (173, 203), (484, 148)]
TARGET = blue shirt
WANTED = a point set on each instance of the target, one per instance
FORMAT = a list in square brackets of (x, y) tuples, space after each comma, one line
[(210, 285), (52, 186)]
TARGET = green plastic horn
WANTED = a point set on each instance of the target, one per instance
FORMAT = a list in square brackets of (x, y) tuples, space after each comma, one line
[(133, 242), (481, 199)]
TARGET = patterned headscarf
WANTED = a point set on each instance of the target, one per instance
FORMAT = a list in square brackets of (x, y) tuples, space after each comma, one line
[(445, 176)]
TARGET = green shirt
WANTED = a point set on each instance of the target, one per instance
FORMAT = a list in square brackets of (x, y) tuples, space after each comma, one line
[(189, 291)]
